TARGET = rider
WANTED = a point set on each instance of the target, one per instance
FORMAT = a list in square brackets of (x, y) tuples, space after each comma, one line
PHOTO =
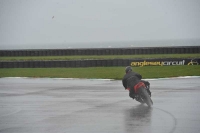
[(132, 79)]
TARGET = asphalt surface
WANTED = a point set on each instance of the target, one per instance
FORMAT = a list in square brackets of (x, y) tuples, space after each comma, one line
[(96, 106)]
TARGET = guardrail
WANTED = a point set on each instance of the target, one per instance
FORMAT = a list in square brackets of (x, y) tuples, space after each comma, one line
[(99, 63), (102, 51)]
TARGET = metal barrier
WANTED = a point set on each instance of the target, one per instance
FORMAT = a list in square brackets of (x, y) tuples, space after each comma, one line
[(102, 51)]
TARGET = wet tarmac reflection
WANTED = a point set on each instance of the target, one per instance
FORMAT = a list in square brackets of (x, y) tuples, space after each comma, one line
[(138, 118)]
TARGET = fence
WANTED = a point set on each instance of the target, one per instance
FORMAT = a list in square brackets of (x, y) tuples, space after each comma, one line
[(103, 51)]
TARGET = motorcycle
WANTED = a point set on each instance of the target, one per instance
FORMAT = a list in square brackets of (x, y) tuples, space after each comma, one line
[(143, 94)]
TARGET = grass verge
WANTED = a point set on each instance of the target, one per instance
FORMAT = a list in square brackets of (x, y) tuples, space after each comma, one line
[(83, 57), (101, 72)]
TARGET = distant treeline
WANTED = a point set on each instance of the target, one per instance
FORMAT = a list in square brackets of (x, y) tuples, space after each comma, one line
[(102, 51)]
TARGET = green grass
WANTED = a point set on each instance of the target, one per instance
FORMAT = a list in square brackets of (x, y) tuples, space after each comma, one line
[(101, 72), (84, 57)]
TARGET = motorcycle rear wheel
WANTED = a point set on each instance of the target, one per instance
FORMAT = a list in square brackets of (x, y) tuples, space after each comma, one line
[(146, 97)]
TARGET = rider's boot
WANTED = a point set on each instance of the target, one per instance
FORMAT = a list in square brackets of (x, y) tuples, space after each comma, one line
[(137, 98), (148, 90)]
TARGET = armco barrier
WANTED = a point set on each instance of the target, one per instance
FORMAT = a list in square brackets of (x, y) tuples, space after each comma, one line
[(102, 51), (98, 63)]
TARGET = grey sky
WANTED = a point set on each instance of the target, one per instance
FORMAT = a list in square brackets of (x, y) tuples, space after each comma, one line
[(31, 21)]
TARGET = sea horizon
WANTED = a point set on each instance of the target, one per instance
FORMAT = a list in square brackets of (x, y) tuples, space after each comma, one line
[(88, 45)]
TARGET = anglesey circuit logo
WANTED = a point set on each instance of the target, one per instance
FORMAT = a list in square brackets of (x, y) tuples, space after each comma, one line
[(193, 62), (158, 63)]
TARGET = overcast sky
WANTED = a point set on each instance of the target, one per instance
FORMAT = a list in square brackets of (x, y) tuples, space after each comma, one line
[(32, 22)]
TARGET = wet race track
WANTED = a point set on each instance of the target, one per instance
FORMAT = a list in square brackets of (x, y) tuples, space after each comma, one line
[(97, 106)]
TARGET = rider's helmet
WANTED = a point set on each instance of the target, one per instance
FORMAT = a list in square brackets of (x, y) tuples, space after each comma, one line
[(128, 69)]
